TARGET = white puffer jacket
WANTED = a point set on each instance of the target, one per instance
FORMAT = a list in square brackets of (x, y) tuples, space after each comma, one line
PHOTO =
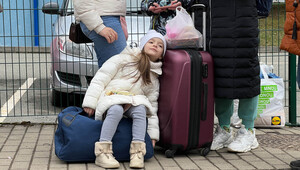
[(117, 75), (89, 11)]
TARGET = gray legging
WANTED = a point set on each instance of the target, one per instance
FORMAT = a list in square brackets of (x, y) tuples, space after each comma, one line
[(115, 114)]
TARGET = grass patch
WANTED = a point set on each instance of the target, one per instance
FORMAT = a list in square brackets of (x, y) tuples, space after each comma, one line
[(271, 28)]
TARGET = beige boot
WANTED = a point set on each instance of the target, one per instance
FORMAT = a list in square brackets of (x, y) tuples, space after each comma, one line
[(104, 157), (137, 152)]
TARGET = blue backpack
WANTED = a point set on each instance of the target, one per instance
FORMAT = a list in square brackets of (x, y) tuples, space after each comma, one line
[(76, 135)]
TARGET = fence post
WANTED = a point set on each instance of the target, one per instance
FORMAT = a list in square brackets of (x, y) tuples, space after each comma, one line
[(292, 91), (36, 22)]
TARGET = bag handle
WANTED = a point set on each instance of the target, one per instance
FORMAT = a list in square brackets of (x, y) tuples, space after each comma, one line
[(180, 9), (71, 114)]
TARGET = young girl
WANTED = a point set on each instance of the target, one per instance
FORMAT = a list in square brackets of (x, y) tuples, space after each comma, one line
[(127, 84)]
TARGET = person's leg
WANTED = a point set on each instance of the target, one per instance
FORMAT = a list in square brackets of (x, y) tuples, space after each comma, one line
[(103, 148), (224, 111), (223, 134), (103, 49), (245, 139), (137, 146), (111, 122), (248, 111), (138, 115)]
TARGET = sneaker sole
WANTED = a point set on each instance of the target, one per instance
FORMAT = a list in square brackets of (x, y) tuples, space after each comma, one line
[(224, 145), (254, 146)]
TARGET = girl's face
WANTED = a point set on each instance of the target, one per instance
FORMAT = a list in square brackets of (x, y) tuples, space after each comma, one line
[(154, 48)]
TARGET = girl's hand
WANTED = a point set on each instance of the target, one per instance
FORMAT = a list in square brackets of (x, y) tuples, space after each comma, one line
[(89, 111), (153, 142), (174, 5), (109, 34), (155, 8)]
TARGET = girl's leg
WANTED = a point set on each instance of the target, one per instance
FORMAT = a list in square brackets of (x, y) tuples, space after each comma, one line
[(103, 49), (137, 146), (224, 111), (248, 111), (138, 115), (111, 122)]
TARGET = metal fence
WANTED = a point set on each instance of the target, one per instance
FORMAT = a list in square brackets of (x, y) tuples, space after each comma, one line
[(42, 71)]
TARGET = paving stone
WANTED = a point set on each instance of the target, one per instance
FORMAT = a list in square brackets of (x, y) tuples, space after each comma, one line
[(40, 161), (261, 165), (241, 164), (6, 161), (2, 167), (250, 158), (27, 151), (22, 158), (27, 145), (20, 165), (42, 154), (152, 164), (205, 164), (6, 128), (77, 166), (39, 167), (10, 148), (273, 161), (7, 155), (229, 156), (221, 163), (185, 163)]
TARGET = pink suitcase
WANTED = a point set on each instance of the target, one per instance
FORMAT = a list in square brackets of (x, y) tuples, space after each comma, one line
[(186, 101)]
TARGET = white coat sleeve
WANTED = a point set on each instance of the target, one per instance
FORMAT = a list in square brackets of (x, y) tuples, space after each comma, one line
[(86, 12), (103, 76), (153, 122)]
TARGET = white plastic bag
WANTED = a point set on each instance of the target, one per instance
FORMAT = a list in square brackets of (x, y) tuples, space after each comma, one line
[(181, 32), (270, 112)]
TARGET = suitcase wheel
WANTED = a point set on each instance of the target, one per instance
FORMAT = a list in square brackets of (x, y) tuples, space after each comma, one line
[(204, 151), (170, 153)]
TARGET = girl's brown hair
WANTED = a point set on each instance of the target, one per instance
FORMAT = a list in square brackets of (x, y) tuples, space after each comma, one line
[(143, 67)]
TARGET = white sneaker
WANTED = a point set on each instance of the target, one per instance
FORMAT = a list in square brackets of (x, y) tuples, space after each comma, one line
[(244, 141), (222, 138)]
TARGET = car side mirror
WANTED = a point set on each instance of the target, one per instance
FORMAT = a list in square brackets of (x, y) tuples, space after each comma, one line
[(51, 8)]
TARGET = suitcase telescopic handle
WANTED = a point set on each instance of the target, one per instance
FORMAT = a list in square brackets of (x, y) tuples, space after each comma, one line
[(194, 8)]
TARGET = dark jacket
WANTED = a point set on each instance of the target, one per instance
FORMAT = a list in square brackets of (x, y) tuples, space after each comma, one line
[(234, 47)]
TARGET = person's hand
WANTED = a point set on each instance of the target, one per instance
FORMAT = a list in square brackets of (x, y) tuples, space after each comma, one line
[(89, 111), (174, 5), (153, 142), (156, 8), (109, 34)]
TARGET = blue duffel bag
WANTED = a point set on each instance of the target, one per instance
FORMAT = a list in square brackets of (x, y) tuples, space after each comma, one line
[(77, 133)]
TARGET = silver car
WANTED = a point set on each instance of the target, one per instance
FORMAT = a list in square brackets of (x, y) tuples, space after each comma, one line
[(74, 65)]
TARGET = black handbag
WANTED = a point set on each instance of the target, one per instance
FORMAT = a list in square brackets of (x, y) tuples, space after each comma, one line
[(76, 35)]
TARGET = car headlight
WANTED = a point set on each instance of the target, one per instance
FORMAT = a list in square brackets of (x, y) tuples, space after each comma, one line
[(68, 47)]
